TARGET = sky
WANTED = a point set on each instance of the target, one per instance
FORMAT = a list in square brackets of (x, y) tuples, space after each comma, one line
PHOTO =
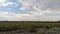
[(29, 10)]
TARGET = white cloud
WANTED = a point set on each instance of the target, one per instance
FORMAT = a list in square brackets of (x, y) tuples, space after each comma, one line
[(1, 1), (26, 17), (38, 8), (5, 3), (52, 5), (17, 17), (27, 2)]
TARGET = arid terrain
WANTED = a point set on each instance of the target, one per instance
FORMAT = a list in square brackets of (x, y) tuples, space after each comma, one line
[(29, 27)]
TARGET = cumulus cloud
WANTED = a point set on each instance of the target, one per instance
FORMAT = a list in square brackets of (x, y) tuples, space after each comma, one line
[(41, 7), (9, 16), (5, 3), (52, 5), (1, 1), (36, 8), (17, 17)]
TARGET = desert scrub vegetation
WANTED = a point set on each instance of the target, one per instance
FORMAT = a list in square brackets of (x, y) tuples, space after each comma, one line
[(32, 27), (14, 26)]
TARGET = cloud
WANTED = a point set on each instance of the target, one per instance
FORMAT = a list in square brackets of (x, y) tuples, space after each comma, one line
[(27, 2), (26, 17), (5, 3), (52, 5), (37, 10), (1, 1), (17, 17)]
